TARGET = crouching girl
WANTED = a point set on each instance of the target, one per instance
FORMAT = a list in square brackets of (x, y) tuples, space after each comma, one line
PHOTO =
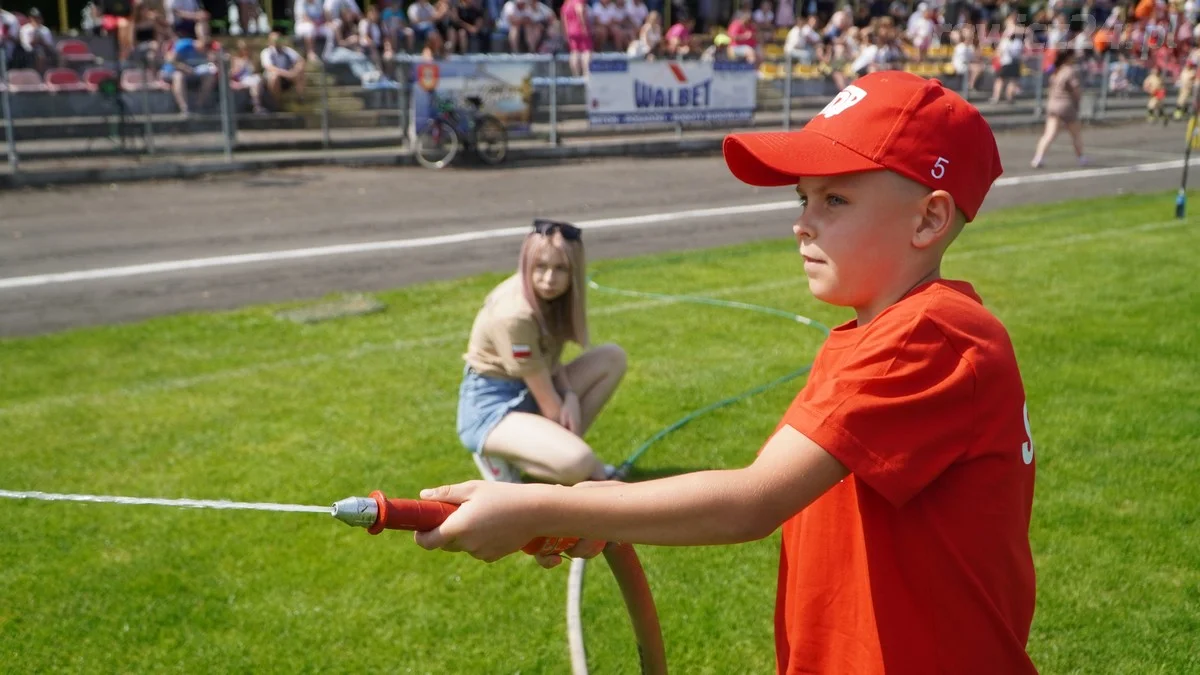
[(519, 405)]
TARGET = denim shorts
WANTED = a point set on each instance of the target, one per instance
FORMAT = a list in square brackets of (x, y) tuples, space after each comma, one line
[(483, 401)]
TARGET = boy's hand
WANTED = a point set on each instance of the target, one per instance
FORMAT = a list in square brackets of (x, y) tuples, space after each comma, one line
[(493, 519), (586, 548)]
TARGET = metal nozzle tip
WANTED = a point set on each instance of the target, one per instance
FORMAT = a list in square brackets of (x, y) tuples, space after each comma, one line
[(356, 511)]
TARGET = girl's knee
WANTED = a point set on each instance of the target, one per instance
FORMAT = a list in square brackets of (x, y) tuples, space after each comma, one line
[(578, 466), (616, 359)]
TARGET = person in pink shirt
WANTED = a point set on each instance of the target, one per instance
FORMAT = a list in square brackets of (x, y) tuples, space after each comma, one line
[(743, 44), (579, 37), (679, 38)]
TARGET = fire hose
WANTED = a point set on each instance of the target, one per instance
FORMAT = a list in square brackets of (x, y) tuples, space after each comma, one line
[(377, 513)]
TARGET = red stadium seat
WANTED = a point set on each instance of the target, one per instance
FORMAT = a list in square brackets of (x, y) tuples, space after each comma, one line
[(75, 51), (25, 79), (137, 80), (92, 77), (64, 79)]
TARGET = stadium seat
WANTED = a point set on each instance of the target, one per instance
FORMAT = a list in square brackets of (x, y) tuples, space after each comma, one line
[(64, 79), (807, 72), (773, 52), (137, 80), (75, 51), (92, 77), (25, 79)]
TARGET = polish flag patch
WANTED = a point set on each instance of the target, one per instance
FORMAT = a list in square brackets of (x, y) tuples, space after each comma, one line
[(522, 351)]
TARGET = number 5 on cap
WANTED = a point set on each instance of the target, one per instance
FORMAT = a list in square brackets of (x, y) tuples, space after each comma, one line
[(939, 167)]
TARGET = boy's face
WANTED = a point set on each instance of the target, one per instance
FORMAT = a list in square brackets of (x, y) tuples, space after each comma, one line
[(855, 234)]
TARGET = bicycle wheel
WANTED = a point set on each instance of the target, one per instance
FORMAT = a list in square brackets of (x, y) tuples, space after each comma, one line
[(491, 140), (437, 144)]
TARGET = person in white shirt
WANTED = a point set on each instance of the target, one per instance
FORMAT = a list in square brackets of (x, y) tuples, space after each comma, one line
[(636, 11), (542, 14), (334, 8), (921, 29), (311, 23), (1011, 50), (868, 55), (282, 67), (521, 20), (965, 58), (422, 19), (649, 38), (37, 41), (610, 29), (802, 40)]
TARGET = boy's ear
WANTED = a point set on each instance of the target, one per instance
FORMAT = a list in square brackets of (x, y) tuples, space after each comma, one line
[(938, 214)]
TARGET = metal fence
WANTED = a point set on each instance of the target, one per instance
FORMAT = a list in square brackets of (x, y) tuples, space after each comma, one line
[(104, 110)]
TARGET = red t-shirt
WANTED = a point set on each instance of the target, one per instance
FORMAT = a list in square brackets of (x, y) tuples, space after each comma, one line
[(919, 561), (741, 34)]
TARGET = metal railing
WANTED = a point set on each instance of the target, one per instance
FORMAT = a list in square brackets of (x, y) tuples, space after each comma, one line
[(375, 105)]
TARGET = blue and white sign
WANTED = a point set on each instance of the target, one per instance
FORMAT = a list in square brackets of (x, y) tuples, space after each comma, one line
[(648, 92)]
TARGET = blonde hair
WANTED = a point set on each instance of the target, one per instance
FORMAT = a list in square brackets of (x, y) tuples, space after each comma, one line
[(564, 317)]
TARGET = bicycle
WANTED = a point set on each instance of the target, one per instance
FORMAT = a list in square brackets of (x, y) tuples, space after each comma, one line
[(440, 138)]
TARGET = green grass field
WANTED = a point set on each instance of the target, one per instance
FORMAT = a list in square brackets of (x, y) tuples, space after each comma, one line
[(1100, 297)]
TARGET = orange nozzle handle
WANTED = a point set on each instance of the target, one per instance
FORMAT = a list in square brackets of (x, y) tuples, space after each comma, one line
[(422, 515)]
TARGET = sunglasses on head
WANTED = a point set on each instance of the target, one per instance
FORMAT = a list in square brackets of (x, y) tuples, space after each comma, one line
[(549, 227)]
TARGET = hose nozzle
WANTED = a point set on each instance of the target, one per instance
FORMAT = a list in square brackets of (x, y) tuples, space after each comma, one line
[(377, 513), (356, 511)]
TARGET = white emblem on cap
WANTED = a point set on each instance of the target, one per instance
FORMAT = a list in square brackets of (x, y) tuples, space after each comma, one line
[(845, 98)]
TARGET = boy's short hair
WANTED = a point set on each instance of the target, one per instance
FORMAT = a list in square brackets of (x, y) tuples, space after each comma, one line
[(889, 120)]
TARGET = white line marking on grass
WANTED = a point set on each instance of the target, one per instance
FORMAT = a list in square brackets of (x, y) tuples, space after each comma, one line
[(664, 218), (39, 404), (364, 349), (150, 501)]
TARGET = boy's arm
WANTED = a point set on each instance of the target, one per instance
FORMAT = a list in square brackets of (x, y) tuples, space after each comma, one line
[(695, 509)]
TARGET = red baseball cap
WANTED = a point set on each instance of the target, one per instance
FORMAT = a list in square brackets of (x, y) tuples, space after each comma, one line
[(885, 120)]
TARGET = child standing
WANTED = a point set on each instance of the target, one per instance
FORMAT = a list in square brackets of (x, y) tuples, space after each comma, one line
[(518, 403), (903, 472), (1156, 87), (1186, 81)]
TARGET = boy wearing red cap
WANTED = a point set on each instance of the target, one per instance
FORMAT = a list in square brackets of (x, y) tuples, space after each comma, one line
[(902, 473)]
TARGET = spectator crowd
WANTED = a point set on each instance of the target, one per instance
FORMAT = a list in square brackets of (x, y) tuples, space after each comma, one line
[(1148, 45)]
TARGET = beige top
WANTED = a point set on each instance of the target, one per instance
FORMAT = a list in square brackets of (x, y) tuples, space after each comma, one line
[(1065, 85), (506, 340)]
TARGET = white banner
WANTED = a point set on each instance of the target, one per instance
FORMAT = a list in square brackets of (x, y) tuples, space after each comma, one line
[(647, 92)]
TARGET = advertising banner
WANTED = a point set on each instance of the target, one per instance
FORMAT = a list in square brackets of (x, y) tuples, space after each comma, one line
[(649, 92)]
